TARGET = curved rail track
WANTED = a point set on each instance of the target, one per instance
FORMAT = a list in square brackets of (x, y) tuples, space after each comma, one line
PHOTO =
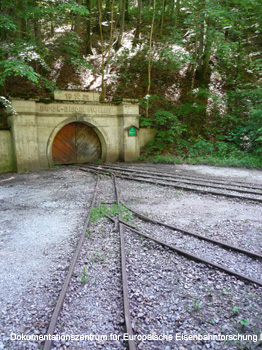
[(122, 225), (183, 176), (238, 191)]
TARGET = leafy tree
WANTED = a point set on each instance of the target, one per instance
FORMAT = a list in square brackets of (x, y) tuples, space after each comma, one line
[(24, 49)]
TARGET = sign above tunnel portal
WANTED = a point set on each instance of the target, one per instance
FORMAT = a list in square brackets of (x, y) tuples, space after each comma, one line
[(91, 96), (60, 108)]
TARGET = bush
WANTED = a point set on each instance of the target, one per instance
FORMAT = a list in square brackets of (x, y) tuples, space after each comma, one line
[(168, 127), (201, 148)]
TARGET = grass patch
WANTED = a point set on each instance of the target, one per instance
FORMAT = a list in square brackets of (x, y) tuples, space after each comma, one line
[(98, 213)]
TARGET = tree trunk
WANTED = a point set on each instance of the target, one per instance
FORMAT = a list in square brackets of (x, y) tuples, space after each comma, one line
[(37, 34), (52, 28), (122, 24), (88, 43), (103, 85), (107, 9), (78, 20), (203, 67), (127, 11), (162, 18), (138, 22), (200, 49), (22, 27), (172, 12), (150, 58), (177, 12)]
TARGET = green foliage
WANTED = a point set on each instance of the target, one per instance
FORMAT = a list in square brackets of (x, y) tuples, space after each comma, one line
[(96, 214), (196, 305), (133, 81), (111, 211), (126, 214), (7, 104), (168, 159), (71, 6), (244, 322), (235, 309), (88, 233), (168, 129), (201, 147), (223, 154), (243, 124), (68, 49), (84, 277), (18, 67), (205, 97), (25, 45)]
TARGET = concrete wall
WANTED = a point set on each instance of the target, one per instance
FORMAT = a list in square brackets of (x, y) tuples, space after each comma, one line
[(145, 135), (36, 125), (7, 163)]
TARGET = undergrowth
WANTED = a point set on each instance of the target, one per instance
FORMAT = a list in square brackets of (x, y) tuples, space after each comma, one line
[(239, 159), (174, 143), (244, 161)]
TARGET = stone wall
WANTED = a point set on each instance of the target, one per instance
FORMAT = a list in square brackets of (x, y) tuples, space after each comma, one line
[(145, 135), (7, 163), (36, 125), (29, 144)]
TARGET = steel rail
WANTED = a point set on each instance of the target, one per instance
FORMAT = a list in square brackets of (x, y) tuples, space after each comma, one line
[(181, 180), (214, 241), (55, 315), (188, 255), (197, 178), (131, 342), (195, 257), (191, 189)]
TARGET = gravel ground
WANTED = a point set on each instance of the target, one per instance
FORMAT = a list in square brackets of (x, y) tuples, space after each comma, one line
[(42, 215), (175, 296), (94, 305), (224, 173), (42, 218), (191, 298)]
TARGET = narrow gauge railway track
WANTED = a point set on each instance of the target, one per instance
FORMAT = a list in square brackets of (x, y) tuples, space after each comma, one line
[(195, 257), (121, 229), (185, 253), (185, 176), (201, 237), (122, 226), (203, 188), (206, 182), (55, 315)]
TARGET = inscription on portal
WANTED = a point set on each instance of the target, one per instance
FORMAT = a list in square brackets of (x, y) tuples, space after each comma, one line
[(77, 96), (84, 109)]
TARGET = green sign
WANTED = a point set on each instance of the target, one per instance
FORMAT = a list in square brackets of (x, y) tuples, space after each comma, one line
[(132, 131)]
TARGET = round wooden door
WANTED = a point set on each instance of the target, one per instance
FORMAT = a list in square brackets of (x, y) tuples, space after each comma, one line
[(76, 143)]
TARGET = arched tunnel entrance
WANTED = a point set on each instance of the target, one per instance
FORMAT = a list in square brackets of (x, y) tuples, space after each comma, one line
[(76, 143)]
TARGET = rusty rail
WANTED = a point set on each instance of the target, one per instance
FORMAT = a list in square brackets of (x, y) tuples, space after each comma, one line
[(194, 257), (214, 241), (182, 177), (52, 325), (131, 342), (162, 183)]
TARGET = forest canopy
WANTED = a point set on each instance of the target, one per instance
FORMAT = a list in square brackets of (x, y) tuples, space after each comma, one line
[(194, 65)]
